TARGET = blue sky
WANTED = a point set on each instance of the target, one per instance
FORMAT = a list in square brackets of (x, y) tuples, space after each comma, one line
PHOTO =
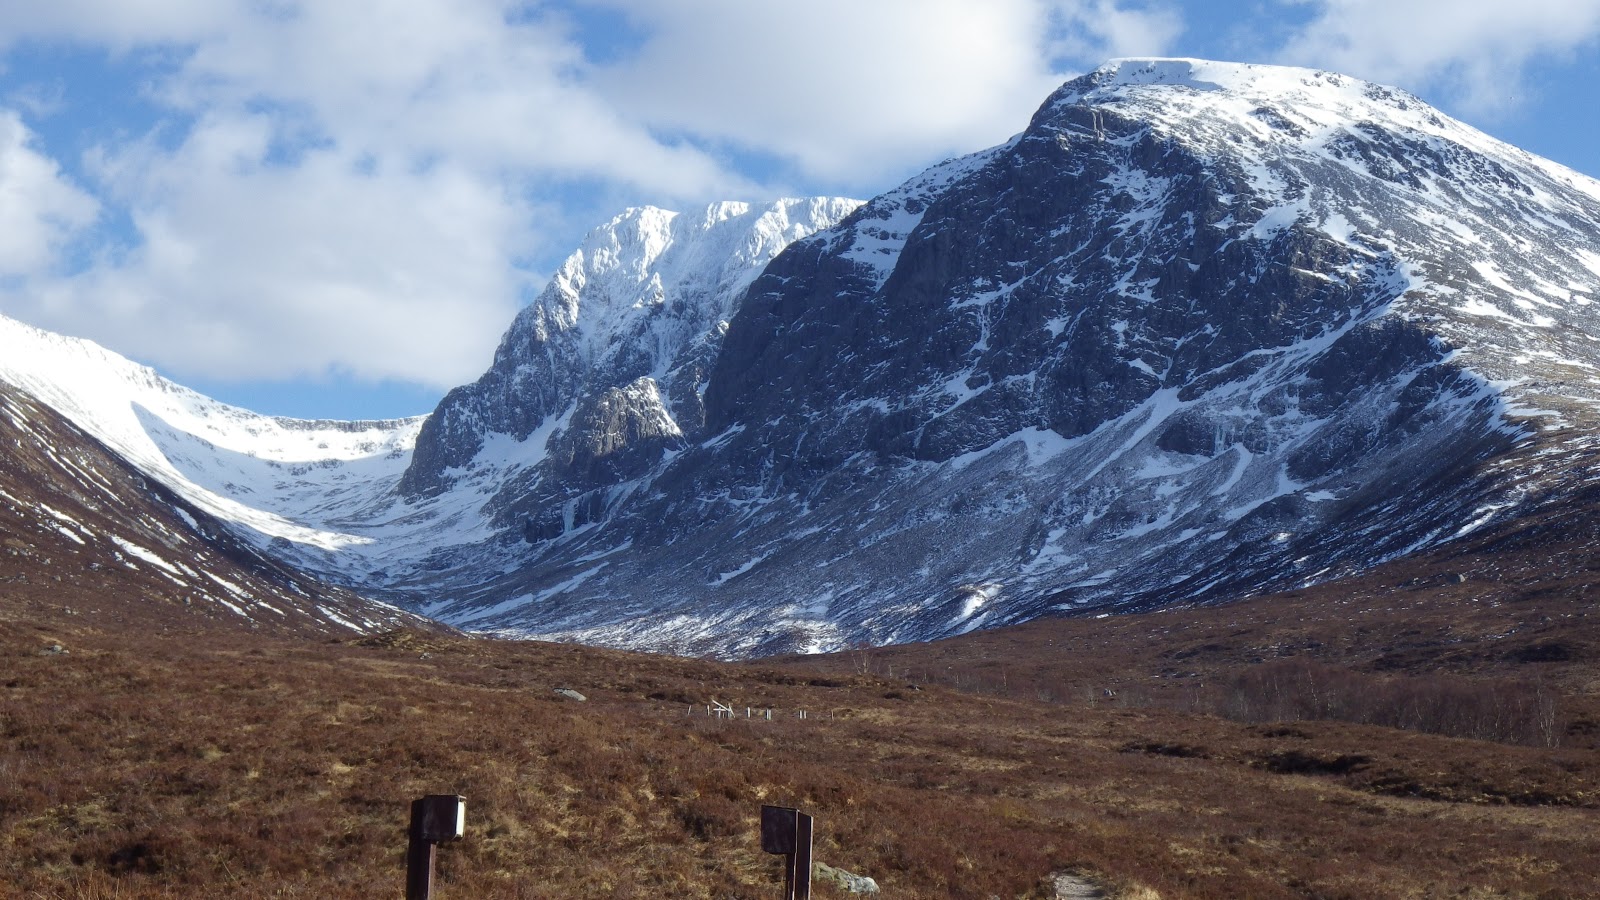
[(309, 209)]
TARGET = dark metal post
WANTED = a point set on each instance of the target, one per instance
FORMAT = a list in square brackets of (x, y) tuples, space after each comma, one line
[(435, 818), (787, 831), (419, 859), (801, 861)]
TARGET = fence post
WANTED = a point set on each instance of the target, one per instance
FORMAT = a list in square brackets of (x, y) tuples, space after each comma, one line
[(435, 819)]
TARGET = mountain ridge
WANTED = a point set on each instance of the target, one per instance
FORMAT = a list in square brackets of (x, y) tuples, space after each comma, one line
[(1314, 296), (1201, 330)]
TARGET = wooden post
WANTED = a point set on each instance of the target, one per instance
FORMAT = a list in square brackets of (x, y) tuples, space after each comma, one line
[(788, 831), (435, 819)]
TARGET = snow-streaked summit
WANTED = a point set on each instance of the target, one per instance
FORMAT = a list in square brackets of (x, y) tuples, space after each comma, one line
[(1377, 170), (651, 263), (1200, 330), (646, 296)]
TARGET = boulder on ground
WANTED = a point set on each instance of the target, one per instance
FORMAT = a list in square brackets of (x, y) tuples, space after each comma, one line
[(855, 884)]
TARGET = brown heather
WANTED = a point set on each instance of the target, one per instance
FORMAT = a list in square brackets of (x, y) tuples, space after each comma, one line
[(213, 764), (1428, 730)]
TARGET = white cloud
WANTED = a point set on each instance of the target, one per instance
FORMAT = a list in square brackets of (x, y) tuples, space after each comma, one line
[(1476, 50), (40, 211), (338, 188), (249, 269), (1090, 29), (439, 78), (852, 92), (350, 195), (119, 24)]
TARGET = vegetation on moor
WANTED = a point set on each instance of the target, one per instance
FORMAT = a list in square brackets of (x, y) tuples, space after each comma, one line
[(1430, 729), (140, 764)]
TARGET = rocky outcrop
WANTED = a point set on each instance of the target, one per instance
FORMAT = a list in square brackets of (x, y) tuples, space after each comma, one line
[(848, 882), (633, 319), (615, 434)]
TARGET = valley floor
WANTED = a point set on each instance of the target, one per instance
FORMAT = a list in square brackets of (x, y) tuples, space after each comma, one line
[(210, 764)]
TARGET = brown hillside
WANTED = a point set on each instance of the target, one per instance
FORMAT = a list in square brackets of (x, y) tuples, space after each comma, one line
[(148, 765), (79, 528)]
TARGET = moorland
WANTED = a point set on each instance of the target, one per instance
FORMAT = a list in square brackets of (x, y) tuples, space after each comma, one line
[(1428, 729)]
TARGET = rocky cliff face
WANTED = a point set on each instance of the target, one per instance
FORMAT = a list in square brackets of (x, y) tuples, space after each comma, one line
[(622, 339), (1154, 231), (1201, 329)]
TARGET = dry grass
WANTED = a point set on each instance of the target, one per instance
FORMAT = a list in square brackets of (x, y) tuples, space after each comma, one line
[(142, 766)]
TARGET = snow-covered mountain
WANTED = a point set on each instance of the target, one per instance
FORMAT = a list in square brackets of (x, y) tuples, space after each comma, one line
[(1200, 330), (633, 318), (271, 475), (86, 534), (629, 326)]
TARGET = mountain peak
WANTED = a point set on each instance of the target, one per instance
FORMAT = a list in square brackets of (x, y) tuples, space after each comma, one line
[(644, 299), (1130, 75), (1264, 105), (1207, 75)]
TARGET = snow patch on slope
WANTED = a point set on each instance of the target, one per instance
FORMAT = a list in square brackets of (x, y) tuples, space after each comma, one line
[(273, 476)]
